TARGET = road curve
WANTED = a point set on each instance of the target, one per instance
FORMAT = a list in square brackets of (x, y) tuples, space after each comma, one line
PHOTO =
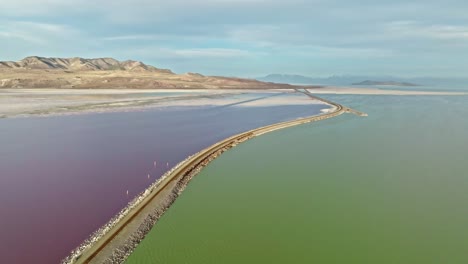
[(87, 252)]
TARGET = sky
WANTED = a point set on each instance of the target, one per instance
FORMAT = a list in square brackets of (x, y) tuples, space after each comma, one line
[(247, 38)]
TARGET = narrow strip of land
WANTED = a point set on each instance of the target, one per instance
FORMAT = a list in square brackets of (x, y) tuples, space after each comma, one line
[(118, 239), (346, 109)]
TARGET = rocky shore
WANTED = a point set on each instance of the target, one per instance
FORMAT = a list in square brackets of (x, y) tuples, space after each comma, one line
[(77, 253), (121, 253)]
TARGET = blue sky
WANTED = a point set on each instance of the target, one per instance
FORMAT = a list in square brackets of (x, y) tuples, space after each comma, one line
[(247, 38)]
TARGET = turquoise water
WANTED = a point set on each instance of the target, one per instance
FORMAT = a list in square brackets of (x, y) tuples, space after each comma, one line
[(388, 188), (433, 88)]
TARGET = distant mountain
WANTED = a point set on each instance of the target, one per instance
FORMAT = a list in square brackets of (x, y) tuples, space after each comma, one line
[(343, 80), (346, 80), (390, 83), (286, 78), (78, 64)]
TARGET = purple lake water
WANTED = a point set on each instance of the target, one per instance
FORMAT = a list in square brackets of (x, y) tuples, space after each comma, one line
[(62, 177)]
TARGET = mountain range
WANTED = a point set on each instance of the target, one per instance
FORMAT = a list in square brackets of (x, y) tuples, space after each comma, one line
[(347, 80), (389, 83), (300, 79), (109, 73), (78, 64)]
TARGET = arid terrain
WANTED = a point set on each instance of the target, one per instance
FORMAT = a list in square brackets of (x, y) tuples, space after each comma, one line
[(43, 102), (102, 73), (43, 86)]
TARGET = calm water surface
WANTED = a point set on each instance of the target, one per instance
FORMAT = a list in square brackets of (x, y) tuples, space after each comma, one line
[(389, 188), (61, 178)]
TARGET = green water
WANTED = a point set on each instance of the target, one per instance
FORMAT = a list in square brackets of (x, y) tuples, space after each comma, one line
[(389, 188)]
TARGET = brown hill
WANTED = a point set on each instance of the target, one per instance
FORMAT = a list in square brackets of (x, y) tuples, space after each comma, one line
[(78, 64), (40, 72)]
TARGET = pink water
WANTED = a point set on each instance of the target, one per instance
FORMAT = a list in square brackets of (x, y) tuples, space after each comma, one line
[(61, 178)]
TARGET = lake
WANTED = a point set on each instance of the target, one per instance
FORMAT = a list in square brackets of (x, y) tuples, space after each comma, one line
[(388, 188), (63, 177)]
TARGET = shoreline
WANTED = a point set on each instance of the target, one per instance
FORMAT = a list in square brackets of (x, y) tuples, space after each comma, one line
[(115, 241), (47, 103), (23, 103)]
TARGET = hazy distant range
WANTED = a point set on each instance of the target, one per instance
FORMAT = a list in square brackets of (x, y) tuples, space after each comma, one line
[(347, 80)]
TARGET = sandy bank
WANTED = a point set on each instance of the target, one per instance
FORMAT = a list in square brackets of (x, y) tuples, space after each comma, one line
[(45, 102)]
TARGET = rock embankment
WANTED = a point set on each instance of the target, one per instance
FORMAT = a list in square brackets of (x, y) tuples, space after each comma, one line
[(97, 235), (120, 253)]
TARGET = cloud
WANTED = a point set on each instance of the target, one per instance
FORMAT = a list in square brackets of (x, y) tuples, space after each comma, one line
[(211, 53), (133, 37), (261, 33), (19, 8), (414, 29), (195, 53), (36, 33), (339, 52), (11, 35)]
